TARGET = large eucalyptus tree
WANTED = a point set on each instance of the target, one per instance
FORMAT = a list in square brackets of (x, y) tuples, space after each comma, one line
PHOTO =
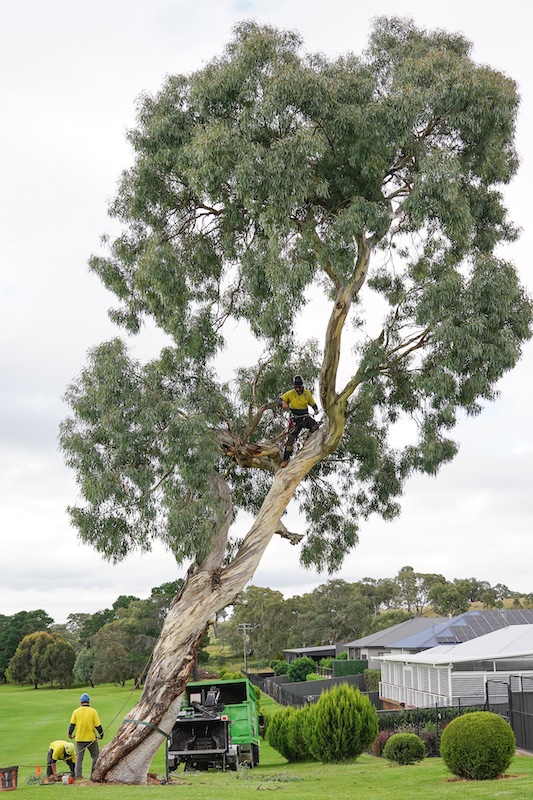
[(267, 179)]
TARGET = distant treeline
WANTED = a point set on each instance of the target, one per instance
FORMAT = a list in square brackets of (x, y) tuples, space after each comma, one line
[(115, 644)]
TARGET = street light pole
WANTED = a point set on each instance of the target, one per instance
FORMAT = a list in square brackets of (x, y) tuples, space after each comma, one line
[(244, 627)]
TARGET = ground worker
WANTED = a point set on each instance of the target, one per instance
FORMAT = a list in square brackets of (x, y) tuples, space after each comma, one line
[(86, 727), (60, 751), (297, 401)]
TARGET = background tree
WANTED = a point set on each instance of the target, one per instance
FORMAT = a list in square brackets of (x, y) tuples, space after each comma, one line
[(335, 611), (59, 657), (382, 593), (387, 619), (264, 610), (41, 658), (84, 666), (13, 629), (111, 646), (415, 588), (265, 181), (447, 599)]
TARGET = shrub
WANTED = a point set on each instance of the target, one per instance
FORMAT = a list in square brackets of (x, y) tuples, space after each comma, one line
[(300, 668), (313, 676), (226, 674), (379, 743), (279, 666), (431, 742), (404, 748), (296, 735), (478, 746), (277, 733), (372, 679), (341, 725), (343, 666)]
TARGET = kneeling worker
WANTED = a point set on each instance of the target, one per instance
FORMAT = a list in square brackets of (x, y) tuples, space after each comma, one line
[(60, 751)]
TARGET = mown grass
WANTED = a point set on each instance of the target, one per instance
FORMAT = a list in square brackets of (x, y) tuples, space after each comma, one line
[(30, 719)]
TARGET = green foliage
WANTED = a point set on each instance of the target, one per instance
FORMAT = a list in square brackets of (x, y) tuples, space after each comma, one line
[(227, 675), (84, 666), (313, 676), (426, 717), (266, 615), (372, 679), (287, 733), (404, 748), (341, 725), (277, 733), (297, 735), (300, 668), (280, 666), (261, 176), (478, 746), (14, 628), (42, 658), (344, 666)]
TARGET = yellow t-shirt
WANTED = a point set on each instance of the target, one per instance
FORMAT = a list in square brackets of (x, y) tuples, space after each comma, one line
[(299, 402), (58, 751), (85, 719)]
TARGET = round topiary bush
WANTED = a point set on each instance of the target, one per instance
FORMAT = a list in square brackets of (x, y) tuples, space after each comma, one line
[(478, 746), (404, 748)]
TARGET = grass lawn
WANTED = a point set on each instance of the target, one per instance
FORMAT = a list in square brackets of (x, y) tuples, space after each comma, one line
[(30, 719)]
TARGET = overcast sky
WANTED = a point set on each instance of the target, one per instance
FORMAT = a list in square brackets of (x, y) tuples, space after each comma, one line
[(71, 73)]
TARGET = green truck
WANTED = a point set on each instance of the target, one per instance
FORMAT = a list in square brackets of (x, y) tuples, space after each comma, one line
[(217, 726)]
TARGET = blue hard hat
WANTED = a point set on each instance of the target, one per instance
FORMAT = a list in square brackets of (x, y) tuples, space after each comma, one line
[(85, 698)]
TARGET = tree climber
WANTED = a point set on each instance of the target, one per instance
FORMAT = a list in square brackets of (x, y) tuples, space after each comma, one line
[(297, 401)]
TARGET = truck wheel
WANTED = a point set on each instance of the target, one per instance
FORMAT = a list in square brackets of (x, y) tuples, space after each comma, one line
[(255, 755)]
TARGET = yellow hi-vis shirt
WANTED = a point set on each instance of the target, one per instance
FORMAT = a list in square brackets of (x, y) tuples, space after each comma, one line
[(298, 402), (58, 751), (85, 719)]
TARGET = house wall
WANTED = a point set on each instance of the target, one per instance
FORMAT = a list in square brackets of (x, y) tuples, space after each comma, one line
[(424, 685)]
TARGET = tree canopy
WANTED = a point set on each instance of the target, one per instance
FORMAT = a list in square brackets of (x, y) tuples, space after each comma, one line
[(256, 178)]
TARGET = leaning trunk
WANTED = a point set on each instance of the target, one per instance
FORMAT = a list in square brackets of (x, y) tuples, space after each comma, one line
[(208, 589)]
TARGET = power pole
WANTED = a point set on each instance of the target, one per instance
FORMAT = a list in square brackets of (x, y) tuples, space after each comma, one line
[(244, 627)]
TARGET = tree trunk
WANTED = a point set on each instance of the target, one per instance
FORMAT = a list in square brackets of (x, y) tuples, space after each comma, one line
[(208, 589)]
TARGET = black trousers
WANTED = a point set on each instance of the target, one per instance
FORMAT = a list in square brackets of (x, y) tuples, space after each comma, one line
[(49, 761), (298, 424)]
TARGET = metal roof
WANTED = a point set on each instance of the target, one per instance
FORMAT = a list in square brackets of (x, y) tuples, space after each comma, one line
[(328, 649), (388, 637), (513, 641), (427, 632)]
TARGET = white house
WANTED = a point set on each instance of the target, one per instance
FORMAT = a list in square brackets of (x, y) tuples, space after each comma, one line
[(456, 674)]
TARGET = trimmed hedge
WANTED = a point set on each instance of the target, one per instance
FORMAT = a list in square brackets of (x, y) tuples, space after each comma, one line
[(404, 748), (343, 667), (478, 746)]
